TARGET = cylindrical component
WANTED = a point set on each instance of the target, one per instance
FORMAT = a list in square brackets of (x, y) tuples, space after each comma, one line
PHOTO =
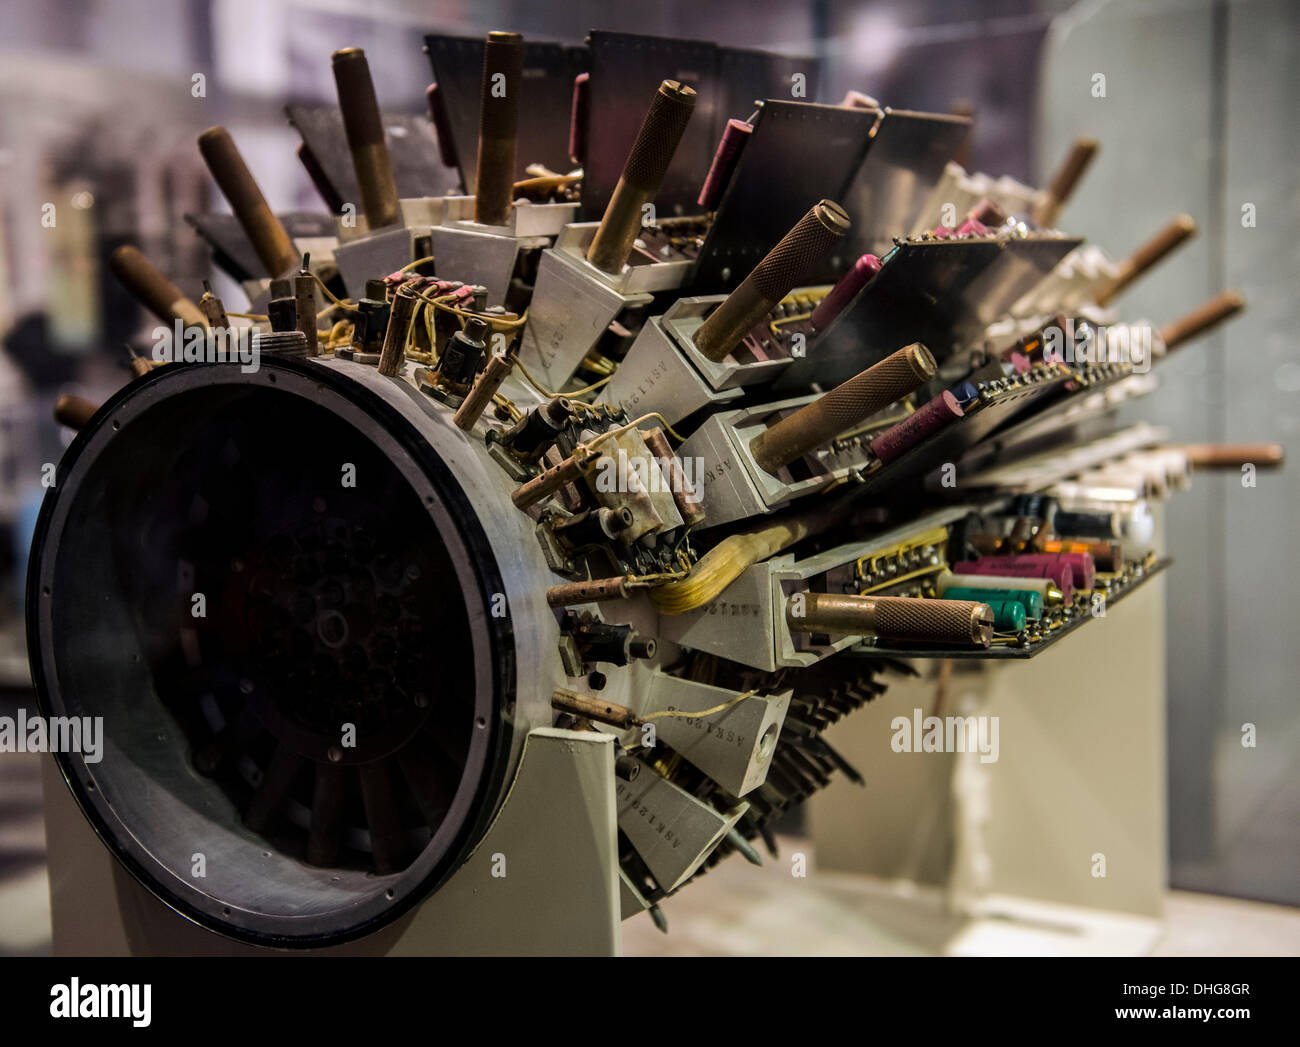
[(529, 437), (1085, 523), (1044, 588), (923, 422), (547, 483), (1202, 318), (615, 644), (772, 279), (73, 411), (578, 116), (1059, 574), (866, 267), (1234, 456), (139, 365), (365, 132), (497, 371), (594, 591), (1083, 570), (304, 295), (684, 494), (643, 173), (576, 704), (461, 355), (1008, 615), (282, 309), (844, 406), (1182, 228), (213, 309), (153, 290), (441, 126), (1106, 555), (1031, 602), (237, 185), (593, 527), (498, 129), (1066, 179), (734, 137), (894, 618), (626, 768), (401, 313)]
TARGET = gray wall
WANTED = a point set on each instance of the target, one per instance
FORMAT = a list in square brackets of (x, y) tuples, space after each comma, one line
[(1199, 116)]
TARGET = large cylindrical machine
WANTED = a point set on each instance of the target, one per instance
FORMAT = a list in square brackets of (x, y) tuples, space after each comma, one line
[(291, 594)]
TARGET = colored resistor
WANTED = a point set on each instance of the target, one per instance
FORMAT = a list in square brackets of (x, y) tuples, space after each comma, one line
[(1031, 601)]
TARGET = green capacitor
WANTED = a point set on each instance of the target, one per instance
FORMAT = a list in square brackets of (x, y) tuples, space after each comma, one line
[(1031, 601)]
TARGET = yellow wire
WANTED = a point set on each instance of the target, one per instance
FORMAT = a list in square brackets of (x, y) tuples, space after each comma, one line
[(695, 716)]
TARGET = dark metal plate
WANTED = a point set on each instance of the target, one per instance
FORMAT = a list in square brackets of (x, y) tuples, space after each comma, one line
[(799, 153), (549, 71), (942, 293), (412, 150)]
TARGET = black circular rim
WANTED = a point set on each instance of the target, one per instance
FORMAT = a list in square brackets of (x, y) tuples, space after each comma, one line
[(482, 563)]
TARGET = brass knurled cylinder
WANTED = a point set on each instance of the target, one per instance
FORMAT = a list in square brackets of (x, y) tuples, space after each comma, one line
[(772, 279), (503, 69), (894, 618), (643, 173), (844, 406), (264, 230), (365, 133)]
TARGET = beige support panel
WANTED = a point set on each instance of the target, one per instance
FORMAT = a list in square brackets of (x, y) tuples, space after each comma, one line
[(560, 895)]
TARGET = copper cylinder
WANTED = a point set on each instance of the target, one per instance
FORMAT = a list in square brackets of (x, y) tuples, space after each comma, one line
[(772, 279), (1202, 318), (152, 289), (844, 406), (593, 708), (393, 354), (471, 409), (1066, 179), (643, 173), (595, 591), (365, 132), (894, 618), (264, 230), (73, 411), (498, 129), (547, 483), (684, 494), (1234, 456), (1178, 231)]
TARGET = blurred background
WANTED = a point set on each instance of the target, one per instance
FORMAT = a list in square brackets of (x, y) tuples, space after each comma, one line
[(99, 111)]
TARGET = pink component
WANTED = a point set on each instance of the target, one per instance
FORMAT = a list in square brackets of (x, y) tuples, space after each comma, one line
[(924, 421), (734, 137), (845, 291)]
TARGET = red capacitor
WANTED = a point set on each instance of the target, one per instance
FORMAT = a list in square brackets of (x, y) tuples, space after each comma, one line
[(578, 117), (845, 291), (924, 421), (1060, 574), (1083, 570), (971, 226), (734, 137)]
